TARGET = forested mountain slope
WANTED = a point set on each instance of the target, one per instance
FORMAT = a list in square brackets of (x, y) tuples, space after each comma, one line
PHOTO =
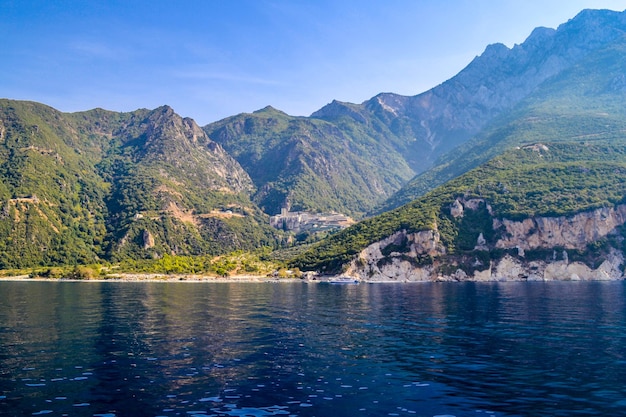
[(78, 188), (464, 224), (100, 185), (308, 164), (582, 103), (350, 157)]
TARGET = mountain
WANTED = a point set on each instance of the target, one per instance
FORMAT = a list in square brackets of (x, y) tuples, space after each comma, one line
[(582, 102), (350, 157), (550, 166), (542, 211), (451, 113), (305, 163), (107, 186), (99, 185)]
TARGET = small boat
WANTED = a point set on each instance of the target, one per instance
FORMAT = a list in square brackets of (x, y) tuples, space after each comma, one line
[(342, 280)]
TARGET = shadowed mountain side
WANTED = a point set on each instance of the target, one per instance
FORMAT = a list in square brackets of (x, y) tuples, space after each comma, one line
[(308, 164), (582, 103)]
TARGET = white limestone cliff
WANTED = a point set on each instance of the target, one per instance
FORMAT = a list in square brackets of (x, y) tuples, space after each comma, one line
[(421, 255), (568, 232)]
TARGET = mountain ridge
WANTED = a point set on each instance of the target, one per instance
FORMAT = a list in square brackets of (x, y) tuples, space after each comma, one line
[(577, 97), (101, 185), (462, 221), (417, 130)]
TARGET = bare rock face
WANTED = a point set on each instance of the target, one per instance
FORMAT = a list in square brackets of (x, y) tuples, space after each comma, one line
[(148, 240), (567, 232), (456, 209), (422, 257), (511, 269), (376, 264)]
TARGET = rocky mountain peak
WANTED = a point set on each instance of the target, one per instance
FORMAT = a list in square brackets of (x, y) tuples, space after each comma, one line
[(337, 109), (163, 137), (495, 51), (587, 31), (394, 104), (600, 19), (539, 37), (269, 109), (161, 114)]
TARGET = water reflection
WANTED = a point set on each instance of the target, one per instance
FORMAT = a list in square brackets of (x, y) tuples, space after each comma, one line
[(136, 349)]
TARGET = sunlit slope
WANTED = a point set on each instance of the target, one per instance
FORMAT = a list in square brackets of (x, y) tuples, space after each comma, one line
[(309, 164), (550, 179), (98, 185), (582, 104)]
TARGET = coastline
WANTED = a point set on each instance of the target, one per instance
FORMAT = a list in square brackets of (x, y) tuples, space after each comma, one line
[(184, 278)]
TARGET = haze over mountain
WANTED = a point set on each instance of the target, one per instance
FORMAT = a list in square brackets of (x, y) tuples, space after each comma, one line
[(412, 132), (101, 185), (534, 73), (547, 163)]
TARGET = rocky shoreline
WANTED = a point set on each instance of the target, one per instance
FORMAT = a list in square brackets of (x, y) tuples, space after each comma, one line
[(422, 256), (457, 277)]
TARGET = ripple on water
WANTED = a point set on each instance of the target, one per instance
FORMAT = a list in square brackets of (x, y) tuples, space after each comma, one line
[(401, 339), (273, 410), (211, 399)]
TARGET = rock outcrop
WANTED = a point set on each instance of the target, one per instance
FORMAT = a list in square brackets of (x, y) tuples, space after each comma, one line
[(512, 269), (421, 256), (568, 232)]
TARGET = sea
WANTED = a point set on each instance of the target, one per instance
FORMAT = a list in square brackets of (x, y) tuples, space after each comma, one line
[(312, 349)]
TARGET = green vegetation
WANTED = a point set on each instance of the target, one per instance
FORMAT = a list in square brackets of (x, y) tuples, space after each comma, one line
[(236, 263), (565, 179), (150, 191), (582, 104), (98, 186), (310, 164)]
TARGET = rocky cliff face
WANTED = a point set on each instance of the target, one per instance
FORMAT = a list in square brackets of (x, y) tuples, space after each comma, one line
[(513, 257), (574, 232), (439, 119)]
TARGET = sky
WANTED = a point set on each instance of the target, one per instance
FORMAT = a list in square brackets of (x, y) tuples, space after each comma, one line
[(210, 59)]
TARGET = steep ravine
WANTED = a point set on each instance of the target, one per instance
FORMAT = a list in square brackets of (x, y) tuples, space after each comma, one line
[(585, 246)]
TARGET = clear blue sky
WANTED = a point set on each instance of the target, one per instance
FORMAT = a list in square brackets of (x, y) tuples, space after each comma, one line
[(210, 59)]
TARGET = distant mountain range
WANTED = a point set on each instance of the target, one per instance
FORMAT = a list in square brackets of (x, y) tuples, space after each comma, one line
[(82, 187), (394, 137), (550, 165)]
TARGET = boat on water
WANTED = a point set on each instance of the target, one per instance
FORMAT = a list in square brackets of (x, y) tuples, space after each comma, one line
[(342, 280)]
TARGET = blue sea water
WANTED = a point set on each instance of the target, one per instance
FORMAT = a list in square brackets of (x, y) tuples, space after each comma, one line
[(256, 349)]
